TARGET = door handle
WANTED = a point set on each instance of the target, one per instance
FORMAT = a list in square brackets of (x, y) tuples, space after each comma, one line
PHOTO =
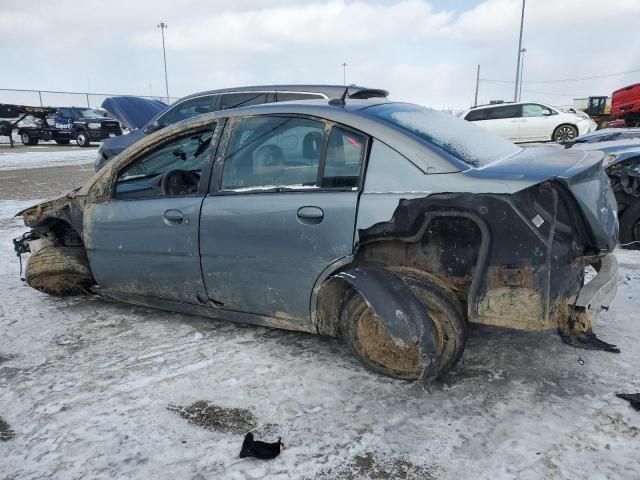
[(310, 215), (173, 217)]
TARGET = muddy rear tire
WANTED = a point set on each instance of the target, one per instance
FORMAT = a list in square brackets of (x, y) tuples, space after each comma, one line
[(59, 271), (365, 333)]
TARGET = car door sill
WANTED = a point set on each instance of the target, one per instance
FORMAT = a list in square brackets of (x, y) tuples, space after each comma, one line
[(217, 313)]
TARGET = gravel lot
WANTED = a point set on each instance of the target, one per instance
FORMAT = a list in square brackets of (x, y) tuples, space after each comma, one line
[(97, 389)]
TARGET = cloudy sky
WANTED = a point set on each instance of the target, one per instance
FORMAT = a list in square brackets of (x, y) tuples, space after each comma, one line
[(425, 51)]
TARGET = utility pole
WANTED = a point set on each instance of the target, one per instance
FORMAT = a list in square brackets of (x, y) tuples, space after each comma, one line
[(162, 26), (475, 101), (523, 51), (344, 73), (515, 93)]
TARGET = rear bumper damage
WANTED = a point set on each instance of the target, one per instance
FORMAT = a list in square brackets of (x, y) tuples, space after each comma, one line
[(598, 294)]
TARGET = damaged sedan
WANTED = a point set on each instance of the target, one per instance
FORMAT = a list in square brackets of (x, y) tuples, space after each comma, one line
[(390, 225)]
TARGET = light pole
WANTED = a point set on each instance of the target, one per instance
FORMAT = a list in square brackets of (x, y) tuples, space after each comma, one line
[(515, 93), (475, 101), (162, 26), (523, 51), (344, 73)]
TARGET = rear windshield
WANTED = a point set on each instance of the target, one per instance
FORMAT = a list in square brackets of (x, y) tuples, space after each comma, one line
[(463, 140)]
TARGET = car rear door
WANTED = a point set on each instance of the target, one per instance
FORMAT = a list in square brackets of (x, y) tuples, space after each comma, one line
[(505, 121), (281, 210), (144, 241)]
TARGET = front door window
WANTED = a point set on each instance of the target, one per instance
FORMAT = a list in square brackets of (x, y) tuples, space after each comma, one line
[(172, 169)]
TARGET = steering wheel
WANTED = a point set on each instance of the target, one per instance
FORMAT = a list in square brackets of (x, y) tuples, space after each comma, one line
[(179, 182)]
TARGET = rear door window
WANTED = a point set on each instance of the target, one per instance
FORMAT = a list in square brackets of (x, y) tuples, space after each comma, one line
[(234, 100), (506, 111), (271, 152), (289, 96), (476, 115), (343, 162)]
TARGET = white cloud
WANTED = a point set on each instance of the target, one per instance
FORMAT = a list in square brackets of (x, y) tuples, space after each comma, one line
[(417, 51), (497, 20), (316, 25)]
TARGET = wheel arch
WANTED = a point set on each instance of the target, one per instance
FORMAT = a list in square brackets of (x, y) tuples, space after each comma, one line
[(564, 124), (59, 230), (330, 290)]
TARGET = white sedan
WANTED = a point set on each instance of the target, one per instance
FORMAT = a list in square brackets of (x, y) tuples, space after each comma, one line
[(530, 122)]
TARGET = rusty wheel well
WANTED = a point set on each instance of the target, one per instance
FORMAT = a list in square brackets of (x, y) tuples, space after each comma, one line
[(450, 245)]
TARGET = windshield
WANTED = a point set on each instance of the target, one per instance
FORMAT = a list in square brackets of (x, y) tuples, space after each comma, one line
[(80, 113), (90, 113), (463, 140)]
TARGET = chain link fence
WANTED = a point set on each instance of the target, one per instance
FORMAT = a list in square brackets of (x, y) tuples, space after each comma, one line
[(53, 98)]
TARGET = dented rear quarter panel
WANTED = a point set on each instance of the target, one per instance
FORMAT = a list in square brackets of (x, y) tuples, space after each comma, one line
[(519, 273)]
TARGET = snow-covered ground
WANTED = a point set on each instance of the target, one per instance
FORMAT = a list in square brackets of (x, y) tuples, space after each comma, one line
[(85, 385), (41, 156)]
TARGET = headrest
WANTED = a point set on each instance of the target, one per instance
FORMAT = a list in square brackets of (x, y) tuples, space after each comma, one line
[(267, 156), (311, 145)]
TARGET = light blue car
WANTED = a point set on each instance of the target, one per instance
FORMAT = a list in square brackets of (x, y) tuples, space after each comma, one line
[(388, 224)]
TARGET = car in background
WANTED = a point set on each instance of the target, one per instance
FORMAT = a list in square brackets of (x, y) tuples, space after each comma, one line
[(630, 135), (224, 99), (388, 224), (625, 104), (84, 125), (622, 165), (133, 112), (530, 122)]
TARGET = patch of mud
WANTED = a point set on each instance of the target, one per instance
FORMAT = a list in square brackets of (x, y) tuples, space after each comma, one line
[(4, 357), (6, 433), (237, 421), (368, 467)]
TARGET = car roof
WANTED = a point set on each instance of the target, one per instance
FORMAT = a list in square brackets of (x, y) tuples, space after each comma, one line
[(503, 104), (331, 91), (349, 114)]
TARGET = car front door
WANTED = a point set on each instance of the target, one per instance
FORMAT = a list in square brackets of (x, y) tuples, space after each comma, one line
[(537, 122), (282, 209), (144, 240), (505, 121)]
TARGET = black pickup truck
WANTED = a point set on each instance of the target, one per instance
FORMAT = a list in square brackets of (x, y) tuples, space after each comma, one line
[(83, 125), (62, 124)]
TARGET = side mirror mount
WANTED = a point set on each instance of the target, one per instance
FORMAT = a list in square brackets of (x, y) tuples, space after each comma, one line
[(547, 112)]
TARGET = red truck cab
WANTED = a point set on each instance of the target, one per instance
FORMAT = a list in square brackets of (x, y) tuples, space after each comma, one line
[(625, 104)]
